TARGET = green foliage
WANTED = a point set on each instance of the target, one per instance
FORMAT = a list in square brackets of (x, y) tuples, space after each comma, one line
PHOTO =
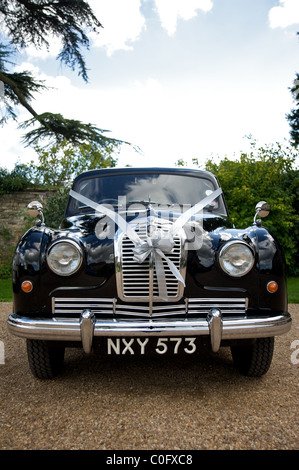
[(267, 174), (72, 130), (5, 271), (19, 88), (15, 180), (293, 290), (293, 116), (5, 288), (180, 162), (61, 163), (55, 204), (6, 254), (35, 22)]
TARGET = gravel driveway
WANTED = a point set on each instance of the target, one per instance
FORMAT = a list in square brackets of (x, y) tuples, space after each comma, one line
[(136, 403)]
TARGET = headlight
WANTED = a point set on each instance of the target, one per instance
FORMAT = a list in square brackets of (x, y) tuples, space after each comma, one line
[(236, 258), (64, 257)]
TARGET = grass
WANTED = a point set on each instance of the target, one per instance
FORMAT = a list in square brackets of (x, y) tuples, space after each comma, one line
[(5, 290), (293, 290)]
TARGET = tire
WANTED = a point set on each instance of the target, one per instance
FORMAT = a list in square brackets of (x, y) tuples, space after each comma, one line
[(45, 361), (254, 360)]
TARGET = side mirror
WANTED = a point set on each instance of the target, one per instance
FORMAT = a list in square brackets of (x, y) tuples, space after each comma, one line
[(262, 209), (35, 209)]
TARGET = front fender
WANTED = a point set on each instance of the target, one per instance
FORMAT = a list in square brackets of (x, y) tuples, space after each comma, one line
[(272, 267), (26, 267)]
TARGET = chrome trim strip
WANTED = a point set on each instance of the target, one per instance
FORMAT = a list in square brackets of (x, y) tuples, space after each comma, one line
[(69, 329)]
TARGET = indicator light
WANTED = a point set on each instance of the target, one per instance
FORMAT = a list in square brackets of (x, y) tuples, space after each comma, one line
[(272, 287), (27, 286)]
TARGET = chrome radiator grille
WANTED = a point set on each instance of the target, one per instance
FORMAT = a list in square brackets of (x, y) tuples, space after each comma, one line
[(138, 282), (230, 307)]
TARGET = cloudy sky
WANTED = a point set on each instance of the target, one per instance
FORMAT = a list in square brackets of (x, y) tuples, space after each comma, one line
[(181, 79)]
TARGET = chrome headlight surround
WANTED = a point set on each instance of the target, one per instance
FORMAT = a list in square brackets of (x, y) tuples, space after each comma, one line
[(236, 258), (64, 257)]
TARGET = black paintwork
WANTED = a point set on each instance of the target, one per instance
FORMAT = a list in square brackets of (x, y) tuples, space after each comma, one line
[(96, 277)]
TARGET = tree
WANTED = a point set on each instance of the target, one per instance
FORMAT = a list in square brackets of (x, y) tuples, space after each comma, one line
[(25, 23), (266, 174), (15, 180), (27, 20), (56, 168), (293, 116), (58, 165)]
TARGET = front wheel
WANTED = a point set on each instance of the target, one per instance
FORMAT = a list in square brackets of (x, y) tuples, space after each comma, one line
[(254, 360), (45, 360)]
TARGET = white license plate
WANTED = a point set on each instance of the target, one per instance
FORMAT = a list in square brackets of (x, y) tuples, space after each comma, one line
[(142, 345)]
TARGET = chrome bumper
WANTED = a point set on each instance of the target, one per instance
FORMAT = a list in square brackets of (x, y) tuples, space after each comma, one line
[(86, 327)]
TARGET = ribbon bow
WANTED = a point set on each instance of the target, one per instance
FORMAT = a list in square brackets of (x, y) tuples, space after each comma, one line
[(156, 245)]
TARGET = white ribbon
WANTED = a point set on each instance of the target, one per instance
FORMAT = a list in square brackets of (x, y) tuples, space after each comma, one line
[(159, 243), (180, 222), (118, 219)]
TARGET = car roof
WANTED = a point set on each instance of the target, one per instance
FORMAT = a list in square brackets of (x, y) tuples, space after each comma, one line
[(139, 170)]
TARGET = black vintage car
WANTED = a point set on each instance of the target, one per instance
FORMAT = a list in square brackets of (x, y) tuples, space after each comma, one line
[(148, 261)]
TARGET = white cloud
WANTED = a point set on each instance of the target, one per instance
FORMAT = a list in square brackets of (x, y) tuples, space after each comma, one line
[(168, 121), (170, 11), (29, 67), (55, 46), (286, 14), (122, 23)]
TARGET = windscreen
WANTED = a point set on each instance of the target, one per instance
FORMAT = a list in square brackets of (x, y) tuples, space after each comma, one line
[(164, 190)]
